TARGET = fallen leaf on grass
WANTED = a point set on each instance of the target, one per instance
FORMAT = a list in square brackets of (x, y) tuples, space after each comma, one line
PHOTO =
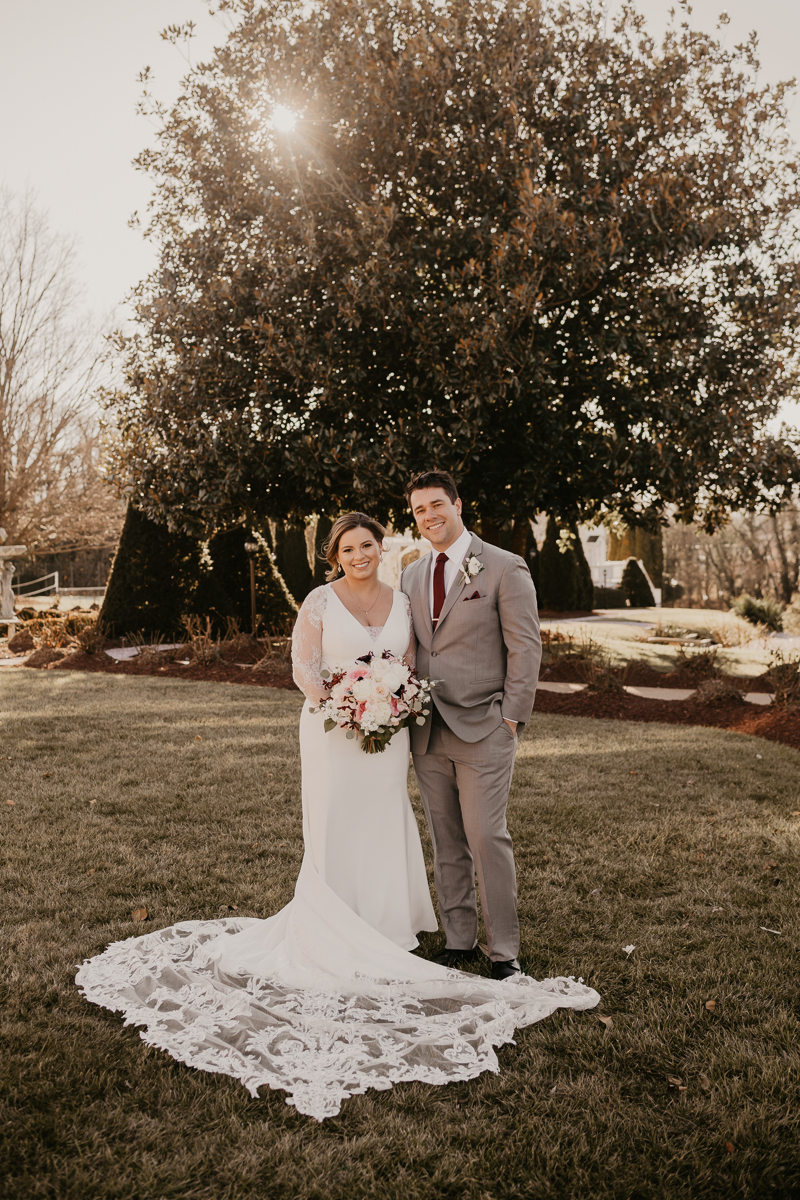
[(676, 1083), (607, 1021), (633, 772), (47, 775), (729, 1146), (705, 1082), (596, 892), (139, 914), (11, 802), (795, 812), (711, 1005), (198, 738), (629, 950)]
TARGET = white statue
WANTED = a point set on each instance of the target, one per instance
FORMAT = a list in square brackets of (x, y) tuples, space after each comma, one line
[(7, 572)]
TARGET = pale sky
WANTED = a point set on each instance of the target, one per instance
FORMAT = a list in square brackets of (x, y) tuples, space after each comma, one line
[(69, 89)]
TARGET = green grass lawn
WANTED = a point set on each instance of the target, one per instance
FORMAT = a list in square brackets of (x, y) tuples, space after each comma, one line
[(184, 798)]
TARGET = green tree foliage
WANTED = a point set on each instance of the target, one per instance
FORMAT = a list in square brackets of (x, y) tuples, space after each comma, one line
[(634, 586), (559, 262), (558, 572), (157, 579)]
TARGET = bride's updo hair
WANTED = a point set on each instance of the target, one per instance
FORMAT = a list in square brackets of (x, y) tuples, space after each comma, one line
[(343, 525)]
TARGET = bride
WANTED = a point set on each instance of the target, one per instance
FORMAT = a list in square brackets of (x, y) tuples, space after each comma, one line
[(323, 1000)]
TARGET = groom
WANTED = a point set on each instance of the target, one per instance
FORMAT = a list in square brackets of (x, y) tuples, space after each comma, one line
[(475, 617)]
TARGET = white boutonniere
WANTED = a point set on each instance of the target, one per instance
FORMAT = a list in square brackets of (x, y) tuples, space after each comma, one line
[(472, 567)]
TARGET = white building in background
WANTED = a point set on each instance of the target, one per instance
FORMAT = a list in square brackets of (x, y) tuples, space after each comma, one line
[(605, 572), (400, 549)]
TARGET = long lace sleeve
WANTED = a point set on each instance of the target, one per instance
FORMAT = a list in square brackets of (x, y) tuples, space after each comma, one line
[(307, 645), (410, 656)]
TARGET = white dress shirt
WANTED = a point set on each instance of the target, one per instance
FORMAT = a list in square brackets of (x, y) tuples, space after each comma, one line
[(455, 557)]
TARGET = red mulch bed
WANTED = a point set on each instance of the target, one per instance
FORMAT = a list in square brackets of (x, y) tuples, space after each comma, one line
[(774, 724), (567, 670), (218, 672)]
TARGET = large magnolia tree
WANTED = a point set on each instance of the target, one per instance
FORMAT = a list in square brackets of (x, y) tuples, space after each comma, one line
[(491, 237)]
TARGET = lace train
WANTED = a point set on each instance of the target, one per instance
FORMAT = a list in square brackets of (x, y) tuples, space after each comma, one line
[(317, 1045), (321, 999)]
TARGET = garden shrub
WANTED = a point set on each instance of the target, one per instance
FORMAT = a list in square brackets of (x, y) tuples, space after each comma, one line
[(558, 573), (157, 578), (584, 587), (609, 597), (759, 612), (635, 587)]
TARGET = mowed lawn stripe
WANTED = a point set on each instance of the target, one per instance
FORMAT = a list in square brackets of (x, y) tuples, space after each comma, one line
[(184, 799)]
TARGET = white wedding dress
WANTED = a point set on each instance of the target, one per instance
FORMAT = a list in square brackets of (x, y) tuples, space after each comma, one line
[(324, 1000)]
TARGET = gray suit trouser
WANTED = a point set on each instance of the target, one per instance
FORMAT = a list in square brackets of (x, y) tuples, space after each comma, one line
[(464, 788)]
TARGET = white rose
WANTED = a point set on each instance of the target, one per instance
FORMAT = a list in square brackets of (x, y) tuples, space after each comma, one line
[(362, 689), (396, 675), (379, 712)]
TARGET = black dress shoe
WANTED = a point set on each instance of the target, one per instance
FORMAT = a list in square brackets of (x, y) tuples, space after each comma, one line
[(504, 970), (454, 958)]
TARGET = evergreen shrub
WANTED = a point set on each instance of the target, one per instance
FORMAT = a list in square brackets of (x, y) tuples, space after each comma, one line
[(759, 612), (609, 597), (157, 579), (635, 587), (584, 588), (558, 573), (231, 568)]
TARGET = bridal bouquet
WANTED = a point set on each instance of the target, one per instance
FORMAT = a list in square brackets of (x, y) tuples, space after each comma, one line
[(374, 698)]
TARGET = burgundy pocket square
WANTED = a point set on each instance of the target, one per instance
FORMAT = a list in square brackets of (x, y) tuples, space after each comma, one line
[(474, 596)]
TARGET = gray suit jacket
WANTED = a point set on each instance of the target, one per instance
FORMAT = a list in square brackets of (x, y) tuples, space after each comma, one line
[(486, 651)]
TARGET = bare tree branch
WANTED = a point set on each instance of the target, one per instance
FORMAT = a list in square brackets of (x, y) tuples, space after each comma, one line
[(51, 488)]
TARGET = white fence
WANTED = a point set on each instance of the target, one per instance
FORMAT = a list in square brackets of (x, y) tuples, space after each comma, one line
[(46, 589)]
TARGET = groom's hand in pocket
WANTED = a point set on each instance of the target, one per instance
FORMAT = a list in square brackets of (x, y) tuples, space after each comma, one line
[(512, 725)]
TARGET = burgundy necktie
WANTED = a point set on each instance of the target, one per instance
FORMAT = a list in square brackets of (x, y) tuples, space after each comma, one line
[(438, 586)]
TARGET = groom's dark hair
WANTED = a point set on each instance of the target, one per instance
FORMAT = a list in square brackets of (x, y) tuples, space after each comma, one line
[(432, 479)]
